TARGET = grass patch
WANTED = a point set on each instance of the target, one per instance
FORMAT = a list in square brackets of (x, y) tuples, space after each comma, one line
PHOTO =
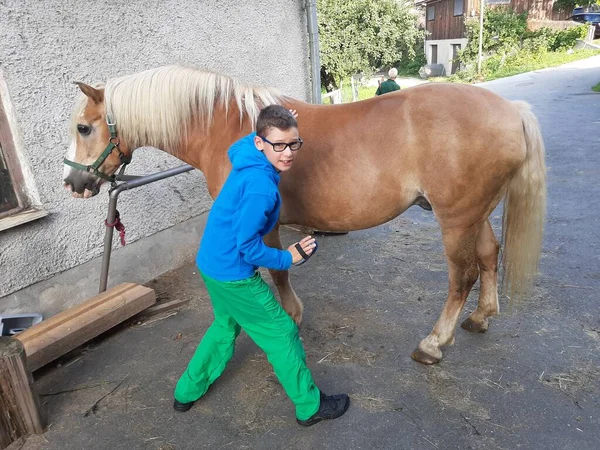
[(596, 88), (364, 92)]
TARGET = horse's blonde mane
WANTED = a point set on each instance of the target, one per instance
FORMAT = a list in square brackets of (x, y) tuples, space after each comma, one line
[(156, 107)]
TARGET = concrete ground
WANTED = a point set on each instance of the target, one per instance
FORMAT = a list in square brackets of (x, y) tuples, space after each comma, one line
[(530, 382)]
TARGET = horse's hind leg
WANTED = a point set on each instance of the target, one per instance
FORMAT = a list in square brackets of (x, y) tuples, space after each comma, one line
[(487, 258), (289, 300), (459, 244)]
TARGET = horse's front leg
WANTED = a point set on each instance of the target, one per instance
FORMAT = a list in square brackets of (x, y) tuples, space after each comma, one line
[(289, 300)]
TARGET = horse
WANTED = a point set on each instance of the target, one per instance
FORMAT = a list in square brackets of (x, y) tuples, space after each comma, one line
[(457, 150)]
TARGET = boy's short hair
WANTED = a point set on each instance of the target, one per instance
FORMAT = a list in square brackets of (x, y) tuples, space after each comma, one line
[(274, 116)]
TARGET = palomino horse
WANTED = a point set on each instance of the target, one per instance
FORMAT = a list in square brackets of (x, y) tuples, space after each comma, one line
[(455, 149)]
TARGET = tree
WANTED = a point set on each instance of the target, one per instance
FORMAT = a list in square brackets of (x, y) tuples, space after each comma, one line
[(364, 35), (503, 30)]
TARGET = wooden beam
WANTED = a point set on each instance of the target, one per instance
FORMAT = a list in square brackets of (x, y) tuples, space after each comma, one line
[(20, 412), (75, 326)]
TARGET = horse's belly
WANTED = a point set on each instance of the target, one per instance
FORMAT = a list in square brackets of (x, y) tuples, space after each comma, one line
[(347, 209)]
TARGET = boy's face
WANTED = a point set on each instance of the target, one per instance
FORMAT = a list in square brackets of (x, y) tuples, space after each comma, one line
[(281, 160)]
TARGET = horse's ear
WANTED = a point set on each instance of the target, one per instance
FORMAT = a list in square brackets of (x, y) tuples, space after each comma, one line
[(96, 95)]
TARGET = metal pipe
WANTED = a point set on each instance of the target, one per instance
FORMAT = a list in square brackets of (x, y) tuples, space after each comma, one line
[(135, 181), (127, 177), (480, 52), (313, 41)]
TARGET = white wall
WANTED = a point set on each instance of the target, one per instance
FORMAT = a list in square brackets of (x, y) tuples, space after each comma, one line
[(444, 53), (47, 44)]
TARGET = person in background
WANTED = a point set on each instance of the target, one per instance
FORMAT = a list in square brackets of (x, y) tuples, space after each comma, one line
[(390, 84)]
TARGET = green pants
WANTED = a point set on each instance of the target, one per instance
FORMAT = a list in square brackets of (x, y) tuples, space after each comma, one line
[(251, 305)]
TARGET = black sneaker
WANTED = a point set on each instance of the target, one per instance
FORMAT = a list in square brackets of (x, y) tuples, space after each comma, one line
[(331, 407), (182, 407)]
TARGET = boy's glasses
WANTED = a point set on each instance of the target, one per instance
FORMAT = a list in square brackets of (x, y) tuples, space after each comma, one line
[(281, 146)]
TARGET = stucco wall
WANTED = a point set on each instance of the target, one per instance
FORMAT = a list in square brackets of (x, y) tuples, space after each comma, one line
[(47, 44), (444, 53)]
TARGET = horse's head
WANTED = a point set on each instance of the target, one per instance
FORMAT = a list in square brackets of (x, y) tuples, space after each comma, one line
[(95, 152)]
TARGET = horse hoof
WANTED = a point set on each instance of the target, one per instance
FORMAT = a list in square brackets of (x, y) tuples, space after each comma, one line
[(473, 326), (296, 317), (424, 358)]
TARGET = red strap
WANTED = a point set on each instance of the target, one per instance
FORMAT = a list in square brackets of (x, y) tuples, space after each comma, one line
[(119, 226)]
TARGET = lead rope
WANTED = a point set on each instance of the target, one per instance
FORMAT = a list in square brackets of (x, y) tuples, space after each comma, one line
[(119, 226)]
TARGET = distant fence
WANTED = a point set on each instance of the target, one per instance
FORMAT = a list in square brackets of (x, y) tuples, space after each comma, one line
[(344, 95), (333, 97), (591, 33)]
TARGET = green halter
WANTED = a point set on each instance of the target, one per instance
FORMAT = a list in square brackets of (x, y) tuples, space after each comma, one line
[(113, 143)]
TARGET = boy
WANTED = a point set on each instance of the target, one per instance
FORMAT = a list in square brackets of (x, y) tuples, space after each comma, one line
[(246, 209)]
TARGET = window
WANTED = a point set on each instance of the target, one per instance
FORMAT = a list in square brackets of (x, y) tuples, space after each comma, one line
[(434, 54), (15, 205), (431, 12), (458, 7), (455, 60)]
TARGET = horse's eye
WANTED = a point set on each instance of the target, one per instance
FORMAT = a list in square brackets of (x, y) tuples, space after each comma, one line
[(84, 130)]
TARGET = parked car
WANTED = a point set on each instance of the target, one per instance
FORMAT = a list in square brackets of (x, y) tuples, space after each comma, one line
[(592, 18), (584, 9)]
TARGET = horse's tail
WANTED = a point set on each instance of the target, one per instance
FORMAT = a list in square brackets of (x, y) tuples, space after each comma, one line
[(524, 211)]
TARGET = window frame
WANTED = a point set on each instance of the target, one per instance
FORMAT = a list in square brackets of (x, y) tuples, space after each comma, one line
[(431, 47), (455, 66), (432, 9), (25, 211), (14, 168), (462, 7)]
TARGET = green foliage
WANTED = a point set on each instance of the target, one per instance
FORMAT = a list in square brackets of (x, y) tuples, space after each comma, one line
[(538, 41), (502, 33), (596, 88), (525, 62), (410, 65), (566, 39), (508, 45), (364, 35), (546, 39)]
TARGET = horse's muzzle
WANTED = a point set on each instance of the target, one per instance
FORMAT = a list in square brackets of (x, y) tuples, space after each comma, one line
[(82, 184)]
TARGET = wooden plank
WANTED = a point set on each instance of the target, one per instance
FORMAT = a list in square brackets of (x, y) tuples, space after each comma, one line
[(73, 327), (20, 412)]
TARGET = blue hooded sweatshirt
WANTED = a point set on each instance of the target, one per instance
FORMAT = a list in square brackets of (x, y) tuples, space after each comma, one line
[(245, 210)]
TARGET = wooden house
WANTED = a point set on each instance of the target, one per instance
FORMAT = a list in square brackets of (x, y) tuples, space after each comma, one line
[(445, 23)]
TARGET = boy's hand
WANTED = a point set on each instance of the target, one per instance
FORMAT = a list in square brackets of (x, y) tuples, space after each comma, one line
[(294, 113), (307, 244)]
